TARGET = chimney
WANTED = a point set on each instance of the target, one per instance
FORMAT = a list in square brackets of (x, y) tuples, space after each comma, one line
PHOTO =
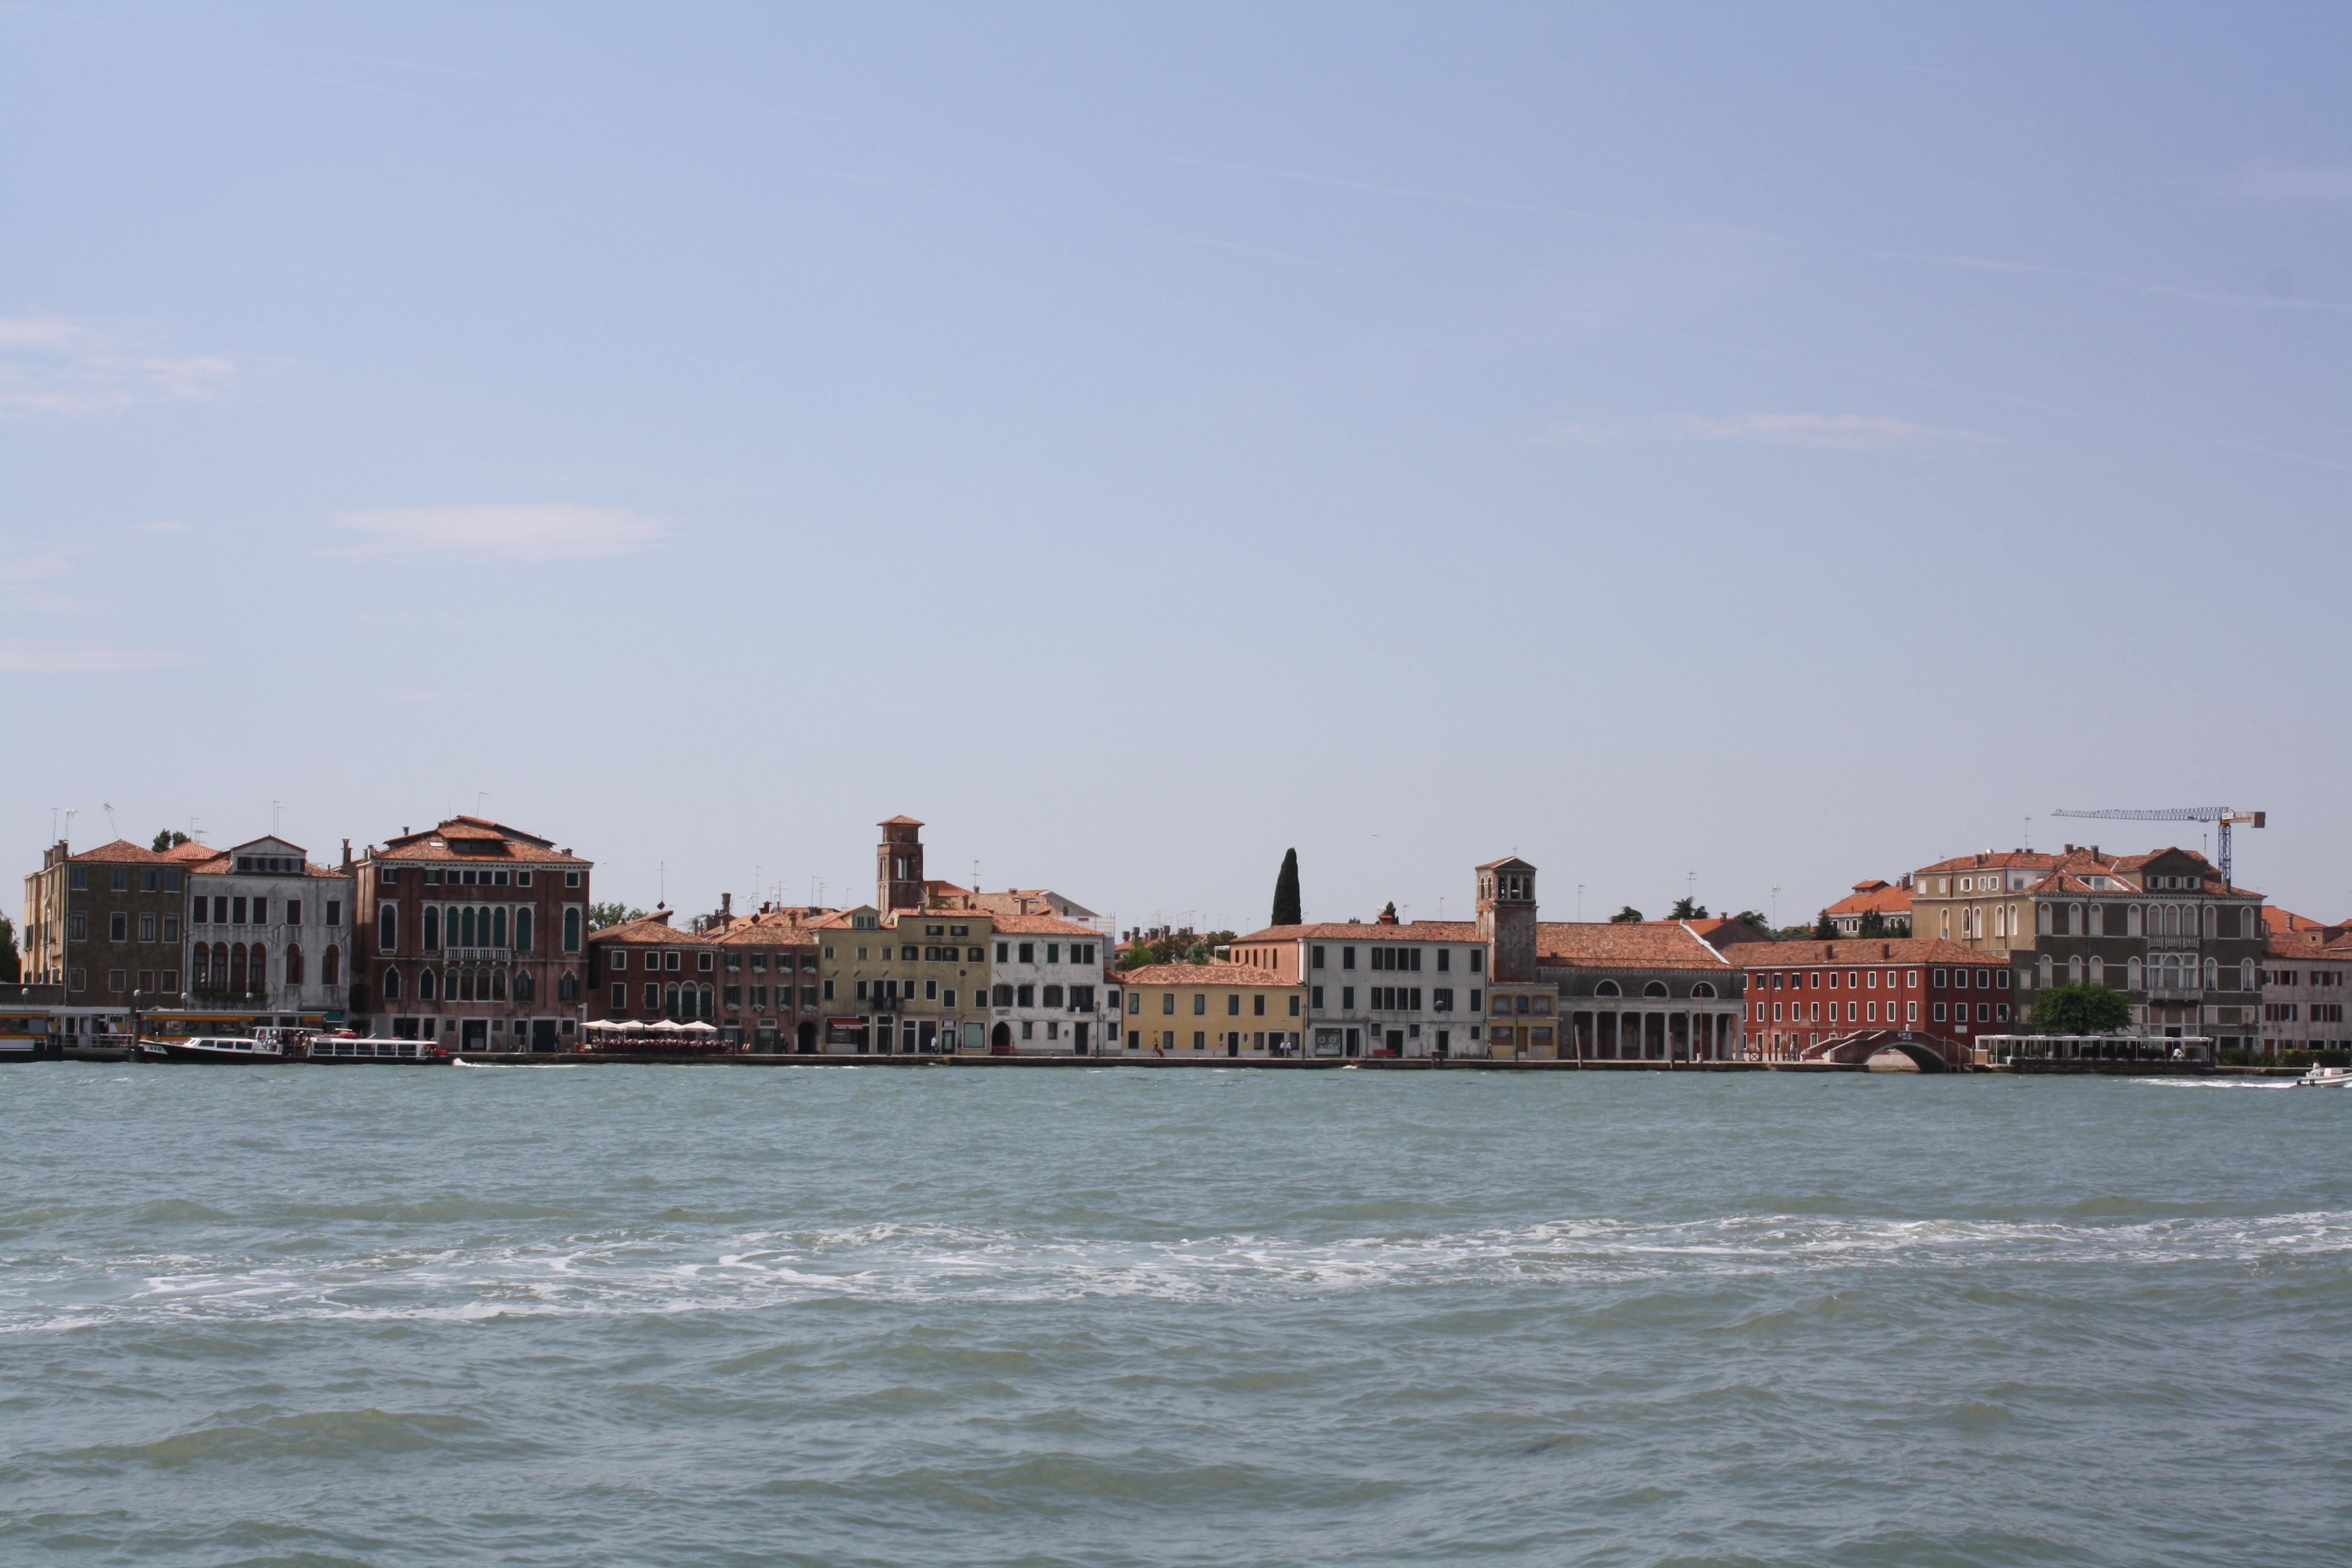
[(347, 854), (726, 906), (403, 830), (1885, 950)]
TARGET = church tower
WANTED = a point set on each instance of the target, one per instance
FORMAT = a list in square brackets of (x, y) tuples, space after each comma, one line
[(1507, 918), (898, 865)]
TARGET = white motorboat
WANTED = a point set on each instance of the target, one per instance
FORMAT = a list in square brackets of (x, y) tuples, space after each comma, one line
[(356, 1048), (245, 1048), (2317, 1077)]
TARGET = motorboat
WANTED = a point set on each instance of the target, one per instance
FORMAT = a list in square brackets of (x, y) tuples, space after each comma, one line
[(240, 1048), (2317, 1077), (341, 1048)]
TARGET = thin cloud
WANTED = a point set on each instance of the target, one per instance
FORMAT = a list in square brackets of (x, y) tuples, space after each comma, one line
[(1826, 432), (553, 532), (35, 656), (56, 368), (165, 526), (29, 563), (2272, 182)]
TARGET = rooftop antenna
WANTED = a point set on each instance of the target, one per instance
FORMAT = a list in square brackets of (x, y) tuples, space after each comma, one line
[(72, 812), (2029, 833), (108, 806), (277, 812), (479, 796), (1776, 905), (1579, 900), (661, 881)]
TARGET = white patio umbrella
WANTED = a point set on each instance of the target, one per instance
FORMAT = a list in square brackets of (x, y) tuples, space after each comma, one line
[(697, 1027)]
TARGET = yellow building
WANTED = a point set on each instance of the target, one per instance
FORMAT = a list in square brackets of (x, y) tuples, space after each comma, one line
[(905, 982), (1210, 1010)]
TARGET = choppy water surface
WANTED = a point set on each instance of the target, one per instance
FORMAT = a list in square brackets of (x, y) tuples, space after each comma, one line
[(706, 1315)]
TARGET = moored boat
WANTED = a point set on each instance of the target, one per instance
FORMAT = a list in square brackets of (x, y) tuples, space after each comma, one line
[(342, 1048), (244, 1049)]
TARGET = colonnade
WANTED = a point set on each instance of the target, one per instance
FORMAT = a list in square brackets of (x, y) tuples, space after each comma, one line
[(1651, 1034)]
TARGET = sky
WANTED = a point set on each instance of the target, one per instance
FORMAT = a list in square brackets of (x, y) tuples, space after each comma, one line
[(1740, 450)]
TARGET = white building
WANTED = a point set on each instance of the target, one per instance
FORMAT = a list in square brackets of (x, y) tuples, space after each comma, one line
[(2304, 991), (1409, 988), (1047, 996), (268, 933)]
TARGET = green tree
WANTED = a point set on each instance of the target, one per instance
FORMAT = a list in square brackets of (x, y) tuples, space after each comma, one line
[(1286, 891), (1825, 929), (2079, 1010), (170, 838), (1687, 909), (1627, 916), (1755, 919), (12, 968), (1873, 923), (602, 915)]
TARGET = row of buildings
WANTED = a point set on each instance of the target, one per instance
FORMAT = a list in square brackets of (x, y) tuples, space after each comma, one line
[(480, 936)]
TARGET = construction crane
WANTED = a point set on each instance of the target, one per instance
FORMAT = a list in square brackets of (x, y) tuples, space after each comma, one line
[(2222, 817)]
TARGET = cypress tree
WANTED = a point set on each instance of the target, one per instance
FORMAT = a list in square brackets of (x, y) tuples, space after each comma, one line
[(1286, 891)]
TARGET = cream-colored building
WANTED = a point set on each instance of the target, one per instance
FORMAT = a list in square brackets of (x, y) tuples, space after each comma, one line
[(1211, 1009)]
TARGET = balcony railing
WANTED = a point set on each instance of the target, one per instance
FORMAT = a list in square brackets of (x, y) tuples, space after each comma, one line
[(478, 954)]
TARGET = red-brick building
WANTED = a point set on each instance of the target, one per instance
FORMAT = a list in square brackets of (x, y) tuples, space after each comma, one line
[(472, 933), (1803, 994)]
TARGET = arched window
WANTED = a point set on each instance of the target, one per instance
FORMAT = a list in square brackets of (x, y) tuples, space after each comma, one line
[(1705, 988), (572, 930), (256, 972), (2098, 970), (1607, 988), (2074, 920), (567, 989), (431, 928), (427, 987), (498, 927), (2047, 971), (497, 984), (465, 928), (2211, 916), (392, 985), (522, 928), (331, 967), (1654, 989), (2133, 922), (387, 929), (2212, 975), (200, 968), (670, 999), (2042, 919), (236, 967), (2074, 971), (2246, 974), (2135, 975), (525, 991), (293, 963), (707, 997)]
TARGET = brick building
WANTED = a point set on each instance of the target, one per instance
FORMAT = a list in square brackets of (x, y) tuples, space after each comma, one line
[(105, 924), (1804, 996), (473, 933)]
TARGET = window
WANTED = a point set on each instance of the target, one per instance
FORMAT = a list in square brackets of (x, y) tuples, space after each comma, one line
[(171, 927), (330, 966), (122, 885), (1199, 1002), (703, 962), (1257, 1005), (1233, 1006), (387, 929), (146, 928), (1316, 1000), (1444, 959), (1347, 998), (522, 928), (1606, 988), (1474, 1005), (1346, 958), (78, 880), (115, 980), (118, 926), (1028, 952), (572, 929), (1317, 960), (1477, 966), (1294, 1004), (334, 911), (392, 985)]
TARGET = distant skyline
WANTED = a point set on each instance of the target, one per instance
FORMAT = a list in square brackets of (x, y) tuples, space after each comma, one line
[(1788, 447)]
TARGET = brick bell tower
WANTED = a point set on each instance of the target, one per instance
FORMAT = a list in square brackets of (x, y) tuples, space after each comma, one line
[(1507, 917), (898, 865)]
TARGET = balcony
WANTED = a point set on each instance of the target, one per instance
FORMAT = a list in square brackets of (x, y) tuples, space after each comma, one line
[(477, 955)]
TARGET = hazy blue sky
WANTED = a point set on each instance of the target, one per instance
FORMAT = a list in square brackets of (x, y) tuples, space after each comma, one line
[(1782, 443)]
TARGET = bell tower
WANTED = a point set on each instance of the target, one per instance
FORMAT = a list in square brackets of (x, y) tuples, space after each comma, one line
[(1507, 917), (898, 865)]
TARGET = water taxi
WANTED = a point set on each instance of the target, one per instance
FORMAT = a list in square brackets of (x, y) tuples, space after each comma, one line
[(354, 1049), (2318, 1076), (268, 1046)]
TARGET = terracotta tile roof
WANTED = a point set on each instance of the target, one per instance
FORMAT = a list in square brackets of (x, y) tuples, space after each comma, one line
[(1605, 944), (1808, 950), (191, 850), (1884, 898), (649, 931), (122, 852), (2000, 859), (1199, 974), (2307, 948), (1498, 865), (1717, 931), (475, 838), (2283, 921), (1038, 925), (898, 822), (1368, 931)]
